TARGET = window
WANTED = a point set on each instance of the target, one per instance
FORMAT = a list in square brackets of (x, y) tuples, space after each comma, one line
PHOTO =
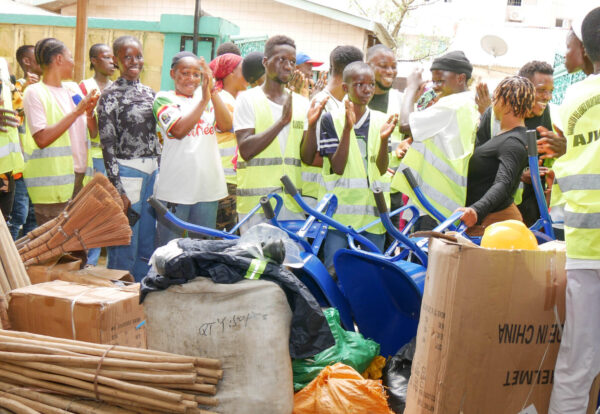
[(514, 2)]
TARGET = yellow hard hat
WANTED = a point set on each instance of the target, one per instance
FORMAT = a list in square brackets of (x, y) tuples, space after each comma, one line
[(509, 235)]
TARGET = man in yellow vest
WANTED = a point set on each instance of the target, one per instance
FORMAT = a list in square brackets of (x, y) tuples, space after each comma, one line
[(11, 158), (269, 122), (354, 145), (387, 100), (578, 181), (443, 136), (332, 97)]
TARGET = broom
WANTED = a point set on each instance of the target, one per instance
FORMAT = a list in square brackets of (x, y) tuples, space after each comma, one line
[(94, 220), (77, 217), (97, 180), (98, 222)]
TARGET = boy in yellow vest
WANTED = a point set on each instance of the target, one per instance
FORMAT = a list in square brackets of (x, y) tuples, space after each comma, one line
[(354, 146), (578, 179), (269, 123), (443, 136)]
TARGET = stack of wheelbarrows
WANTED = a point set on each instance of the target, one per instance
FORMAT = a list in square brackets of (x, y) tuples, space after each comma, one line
[(378, 293)]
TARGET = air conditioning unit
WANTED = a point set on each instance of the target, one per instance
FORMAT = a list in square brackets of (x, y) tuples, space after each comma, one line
[(515, 15)]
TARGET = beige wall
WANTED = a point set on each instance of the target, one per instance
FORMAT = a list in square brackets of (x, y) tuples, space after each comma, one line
[(314, 34), (14, 35)]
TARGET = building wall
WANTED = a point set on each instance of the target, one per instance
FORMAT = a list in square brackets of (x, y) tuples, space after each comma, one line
[(314, 34)]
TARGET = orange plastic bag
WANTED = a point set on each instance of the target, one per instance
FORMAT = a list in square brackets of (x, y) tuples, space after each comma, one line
[(339, 389)]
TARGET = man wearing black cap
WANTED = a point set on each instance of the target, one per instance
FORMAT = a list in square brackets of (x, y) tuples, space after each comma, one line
[(443, 135)]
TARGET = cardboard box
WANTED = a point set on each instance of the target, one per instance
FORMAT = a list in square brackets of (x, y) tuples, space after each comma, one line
[(105, 315), (489, 331), (69, 271)]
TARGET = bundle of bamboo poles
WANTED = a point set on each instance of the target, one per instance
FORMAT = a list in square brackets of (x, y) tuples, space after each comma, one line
[(12, 272), (94, 218), (53, 375)]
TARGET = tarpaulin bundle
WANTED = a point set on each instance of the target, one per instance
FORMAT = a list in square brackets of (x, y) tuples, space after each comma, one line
[(224, 261)]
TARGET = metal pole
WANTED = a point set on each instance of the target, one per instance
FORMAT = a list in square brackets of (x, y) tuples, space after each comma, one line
[(197, 15), (80, 39)]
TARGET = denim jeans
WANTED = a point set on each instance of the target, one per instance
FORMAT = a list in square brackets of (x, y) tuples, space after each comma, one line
[(337, 240), (203, 214), (134, 258), (22, 215), (94, 254)]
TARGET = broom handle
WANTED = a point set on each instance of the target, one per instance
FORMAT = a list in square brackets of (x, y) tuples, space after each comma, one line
[(88, 389), (204, 362)]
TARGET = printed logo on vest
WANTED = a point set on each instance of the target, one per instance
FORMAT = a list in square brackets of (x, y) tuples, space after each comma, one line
[(298, 124)]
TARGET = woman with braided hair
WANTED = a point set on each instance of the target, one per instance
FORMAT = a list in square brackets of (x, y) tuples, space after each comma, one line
[(56, 145), (496, 166)]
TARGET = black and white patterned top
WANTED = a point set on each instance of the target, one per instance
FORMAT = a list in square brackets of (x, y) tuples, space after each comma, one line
[(126, 125)]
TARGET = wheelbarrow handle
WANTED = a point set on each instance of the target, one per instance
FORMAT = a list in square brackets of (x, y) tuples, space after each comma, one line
[(380, 201), (410, 178), (160, 209), (267, 208), (290, 188), (532, 143)]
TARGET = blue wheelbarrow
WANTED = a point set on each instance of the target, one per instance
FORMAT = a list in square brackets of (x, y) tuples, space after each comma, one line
[(384, 290)]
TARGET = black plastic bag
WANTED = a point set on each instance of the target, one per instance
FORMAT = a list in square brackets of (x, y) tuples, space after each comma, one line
[(396, 374)]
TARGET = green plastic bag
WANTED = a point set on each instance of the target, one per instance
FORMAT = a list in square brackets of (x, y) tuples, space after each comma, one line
[(350, 348)]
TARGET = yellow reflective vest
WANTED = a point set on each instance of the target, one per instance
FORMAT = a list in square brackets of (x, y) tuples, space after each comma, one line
[(578, 171), (440, 163), (11, 158), (227, 142), (261, 175), (49, 172), (354, 188), (96, 148)]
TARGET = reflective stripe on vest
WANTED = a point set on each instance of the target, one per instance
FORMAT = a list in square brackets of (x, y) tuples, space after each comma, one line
[(227, 151), (261, 175), (312, 180), (441, 174), (578, 171), (356, 204)]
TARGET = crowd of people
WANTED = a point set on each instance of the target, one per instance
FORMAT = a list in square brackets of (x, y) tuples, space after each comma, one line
[(221, 140)]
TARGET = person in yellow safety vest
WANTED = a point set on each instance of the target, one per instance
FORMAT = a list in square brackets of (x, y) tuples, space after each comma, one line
[(22, 217), (333, 95), (387, 100), (354, 146), (11, 158), (269, 124), (56, 148), (102, 63), (578, 181), (443, 137), (229, 82)]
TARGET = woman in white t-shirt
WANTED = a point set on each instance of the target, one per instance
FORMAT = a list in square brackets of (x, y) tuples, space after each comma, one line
[(191, 179)]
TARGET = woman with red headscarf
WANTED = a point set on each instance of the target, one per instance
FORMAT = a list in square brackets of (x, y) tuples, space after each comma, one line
[(229, 80)]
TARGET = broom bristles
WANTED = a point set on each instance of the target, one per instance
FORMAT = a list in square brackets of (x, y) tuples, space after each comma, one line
[(96, 214)]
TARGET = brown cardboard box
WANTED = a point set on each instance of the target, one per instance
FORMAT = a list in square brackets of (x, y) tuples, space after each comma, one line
[(69, 271), (105, 315), (489, 331)]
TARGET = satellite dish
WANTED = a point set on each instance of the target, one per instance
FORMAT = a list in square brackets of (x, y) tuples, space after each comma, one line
[(494, 45)]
